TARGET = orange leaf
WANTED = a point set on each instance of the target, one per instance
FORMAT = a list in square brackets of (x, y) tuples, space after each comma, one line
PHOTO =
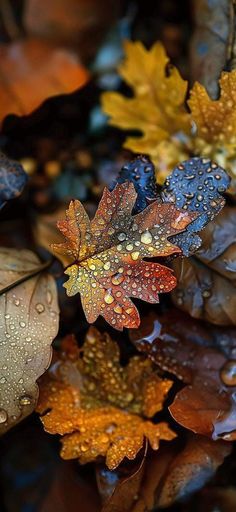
[(99, 405), (32, 71), (109, 252)]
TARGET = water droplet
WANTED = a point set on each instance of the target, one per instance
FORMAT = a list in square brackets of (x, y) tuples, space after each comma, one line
[(17, 302), (2, 380), (40, 308), (3, 416), (121, 237), (108, 298), (146, 237), (25, 400), (228, 373), (117, 279), (22, 324), (49, 296), (107, 265), (135, 255)]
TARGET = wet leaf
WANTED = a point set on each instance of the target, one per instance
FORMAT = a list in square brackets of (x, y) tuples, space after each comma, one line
[(29, 323), (168, 476), (109, 251), (32, 71), (140, 172), (183, 347), (206, 281), (12, 179), (99, 407), (157, 108)]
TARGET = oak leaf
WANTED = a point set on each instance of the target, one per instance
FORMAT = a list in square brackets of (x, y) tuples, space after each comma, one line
[(203, 357), (157, 108), (99, 407), (29, 322), (109, 251)]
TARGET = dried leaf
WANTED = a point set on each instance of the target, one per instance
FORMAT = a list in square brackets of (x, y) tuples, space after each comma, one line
[(109, 252), (183, 347), (206, 281), (100, 407), (158, 106), (12, 179), (168, 476), (29, 323), (32, 71)]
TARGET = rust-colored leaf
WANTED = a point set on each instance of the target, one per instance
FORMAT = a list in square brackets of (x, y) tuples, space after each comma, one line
[(99, 407), (29, 323), (206, 281), (184, 347), (109, 251), (32, 71), (157, 108)]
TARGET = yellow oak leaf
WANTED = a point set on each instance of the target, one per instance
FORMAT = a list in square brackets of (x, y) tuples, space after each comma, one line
[(215, 122), (109, 250), (157, 108), (100, 407)]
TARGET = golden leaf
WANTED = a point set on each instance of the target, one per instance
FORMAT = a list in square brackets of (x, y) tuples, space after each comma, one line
[(98, 406), (157, 108)]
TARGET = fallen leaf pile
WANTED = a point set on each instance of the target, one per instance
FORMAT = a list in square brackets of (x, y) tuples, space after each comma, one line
[(164, 477), (99, 407), (108, 251), (204, 359), (29, 323), (158, 109)]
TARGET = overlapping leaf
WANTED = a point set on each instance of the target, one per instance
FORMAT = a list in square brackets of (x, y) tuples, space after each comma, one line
[(101, 406), (158, 110), (109, 251), (165, 477), (185, 348), (29, 323)]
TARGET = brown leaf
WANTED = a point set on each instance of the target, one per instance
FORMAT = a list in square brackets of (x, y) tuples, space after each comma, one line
[(29, 323), (177, 344), (101, 406), (213, 31), (206, 281), (32, 71), (168, 476)]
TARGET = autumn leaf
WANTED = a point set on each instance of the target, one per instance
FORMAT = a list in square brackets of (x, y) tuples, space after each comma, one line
[(195, 185), (29, 323), (12, 179), (33, 70), (168, 476), (206, 281), (202, 356), (109, 251), (99, 407), (157, 108)]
